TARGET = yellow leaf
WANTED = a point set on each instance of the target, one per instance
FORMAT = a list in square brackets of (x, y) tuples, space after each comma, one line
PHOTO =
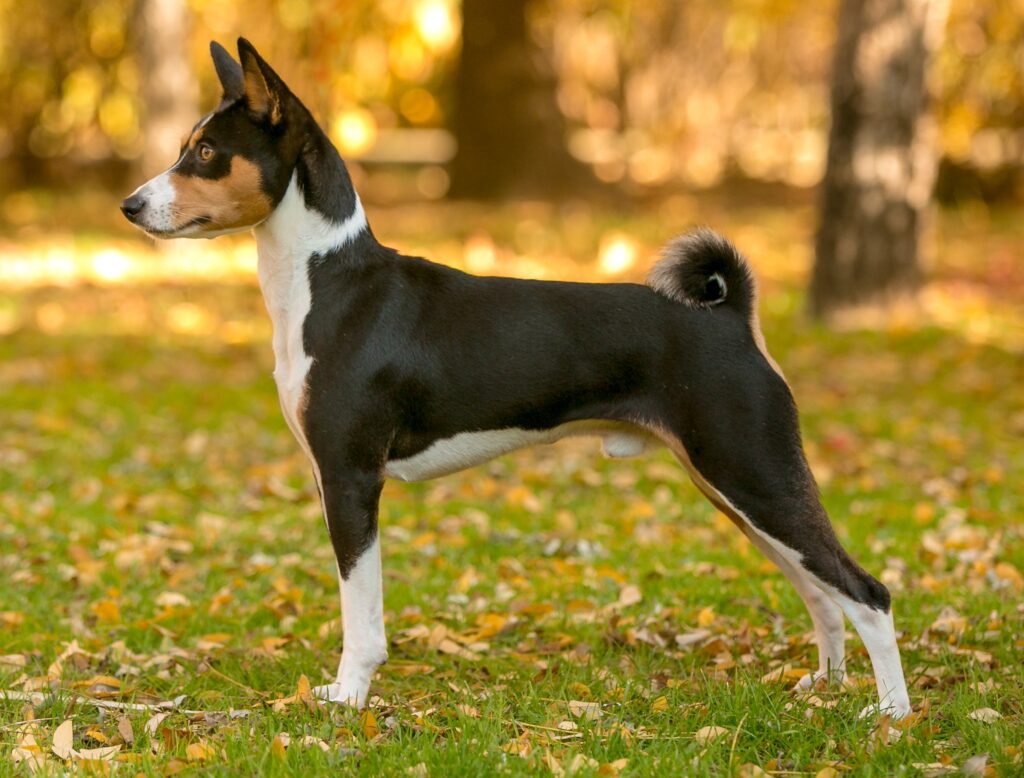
[(278, 746), (1007, 572), (706, 617), (106, 610), (370, 726), (660, 704), (827, 772), (199, 752)]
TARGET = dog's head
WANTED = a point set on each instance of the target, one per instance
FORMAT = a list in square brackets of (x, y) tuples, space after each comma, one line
[(234, 164)]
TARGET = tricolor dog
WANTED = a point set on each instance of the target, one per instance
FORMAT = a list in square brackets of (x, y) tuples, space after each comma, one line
[(390, 366)]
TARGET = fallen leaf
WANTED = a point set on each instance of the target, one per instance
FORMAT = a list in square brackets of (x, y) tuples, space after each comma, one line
[(585, 710), (154, 723), (629, 595), (750, 770), (279, 744), (976, 766), (104, 754), (706, 617), (199, 752), (709, 734), (63, 739), (124, 729), (370, 727), (985, 715)]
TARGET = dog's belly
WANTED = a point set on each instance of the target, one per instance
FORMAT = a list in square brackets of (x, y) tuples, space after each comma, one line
[(467, 449)]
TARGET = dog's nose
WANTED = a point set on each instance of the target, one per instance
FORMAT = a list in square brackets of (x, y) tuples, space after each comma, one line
[(132, 205)]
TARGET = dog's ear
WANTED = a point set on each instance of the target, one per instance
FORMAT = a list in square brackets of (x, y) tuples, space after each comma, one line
[(228, 71), (263, 89)]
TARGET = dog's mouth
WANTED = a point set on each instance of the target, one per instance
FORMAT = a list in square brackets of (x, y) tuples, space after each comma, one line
[(185, 229)]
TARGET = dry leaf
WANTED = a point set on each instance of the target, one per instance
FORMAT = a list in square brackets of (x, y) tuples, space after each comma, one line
[(706, 617), (585, 710), (63, 739), (629, 595), (279, 744), (750, 770), (975, 766), (660, 704), (985, 715), (104, 754), (709, 734), (154, 723), (199, 752), (124, 729), (370, 727), (172, 600)]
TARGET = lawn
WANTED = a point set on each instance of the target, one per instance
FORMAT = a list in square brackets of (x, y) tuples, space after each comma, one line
[(161, 550)]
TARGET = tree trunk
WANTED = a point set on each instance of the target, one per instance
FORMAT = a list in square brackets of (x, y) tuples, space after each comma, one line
[(509, 129), (169, 89), (881, 156)]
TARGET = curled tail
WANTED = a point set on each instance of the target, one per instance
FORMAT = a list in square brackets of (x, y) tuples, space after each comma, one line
[(704, 269)]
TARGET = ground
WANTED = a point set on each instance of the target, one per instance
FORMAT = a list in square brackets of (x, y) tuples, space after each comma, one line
[(551, 612)]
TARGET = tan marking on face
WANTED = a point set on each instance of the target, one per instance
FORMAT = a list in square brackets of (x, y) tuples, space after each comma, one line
[(231, 202)]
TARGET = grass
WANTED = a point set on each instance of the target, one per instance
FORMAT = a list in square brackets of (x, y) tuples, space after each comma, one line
[(154, 510)]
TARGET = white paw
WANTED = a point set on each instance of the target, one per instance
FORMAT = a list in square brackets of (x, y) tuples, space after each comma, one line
[(895, 711), (819, 680), (342, 694)]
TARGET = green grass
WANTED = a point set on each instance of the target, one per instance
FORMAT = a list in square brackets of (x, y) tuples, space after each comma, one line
[(139, 458)]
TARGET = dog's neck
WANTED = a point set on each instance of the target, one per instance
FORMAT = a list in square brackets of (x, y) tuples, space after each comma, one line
[(296, 230), (317, 219)]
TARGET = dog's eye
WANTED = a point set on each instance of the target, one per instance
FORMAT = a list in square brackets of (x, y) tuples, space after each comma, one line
[(205, 152)]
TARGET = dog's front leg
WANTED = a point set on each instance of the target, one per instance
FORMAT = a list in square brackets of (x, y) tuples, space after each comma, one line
[(350, 508)]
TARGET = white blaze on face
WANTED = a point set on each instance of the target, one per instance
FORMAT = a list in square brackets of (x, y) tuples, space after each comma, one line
[(159, 196)]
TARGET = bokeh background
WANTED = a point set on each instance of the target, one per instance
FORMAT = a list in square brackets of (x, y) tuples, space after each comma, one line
[(673, 110)]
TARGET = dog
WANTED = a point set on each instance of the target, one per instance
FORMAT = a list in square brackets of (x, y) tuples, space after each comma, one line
[(390, 366)]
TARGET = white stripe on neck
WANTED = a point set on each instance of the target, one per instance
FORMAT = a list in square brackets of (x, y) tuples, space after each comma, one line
[(296, 230)]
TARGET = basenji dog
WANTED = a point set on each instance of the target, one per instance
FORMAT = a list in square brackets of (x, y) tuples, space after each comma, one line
[(390, 366)]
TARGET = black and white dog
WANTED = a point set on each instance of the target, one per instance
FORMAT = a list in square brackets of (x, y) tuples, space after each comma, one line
[(392, 366)]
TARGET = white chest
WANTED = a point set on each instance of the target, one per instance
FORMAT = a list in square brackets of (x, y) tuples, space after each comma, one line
[(285, 241), (287, 295)]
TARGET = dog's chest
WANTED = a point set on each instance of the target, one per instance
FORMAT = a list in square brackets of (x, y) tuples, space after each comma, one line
[(286, 291)]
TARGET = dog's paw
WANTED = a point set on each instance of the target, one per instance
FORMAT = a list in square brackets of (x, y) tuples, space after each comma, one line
[(820, 680), (895, 711), (342, 694)]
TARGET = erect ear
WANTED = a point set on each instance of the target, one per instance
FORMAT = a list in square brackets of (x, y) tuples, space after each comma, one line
[(262, 87), (228, 71)]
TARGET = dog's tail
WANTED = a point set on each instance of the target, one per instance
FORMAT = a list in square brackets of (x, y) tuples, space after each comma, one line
[(704, 269)]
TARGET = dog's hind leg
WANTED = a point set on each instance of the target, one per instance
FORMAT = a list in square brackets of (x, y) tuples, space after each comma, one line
[(826, 615), (350, 507), (743, 450)]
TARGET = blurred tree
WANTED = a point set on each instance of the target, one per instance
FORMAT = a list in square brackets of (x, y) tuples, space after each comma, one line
[(170, 95), (510, 131), (882, 154)]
